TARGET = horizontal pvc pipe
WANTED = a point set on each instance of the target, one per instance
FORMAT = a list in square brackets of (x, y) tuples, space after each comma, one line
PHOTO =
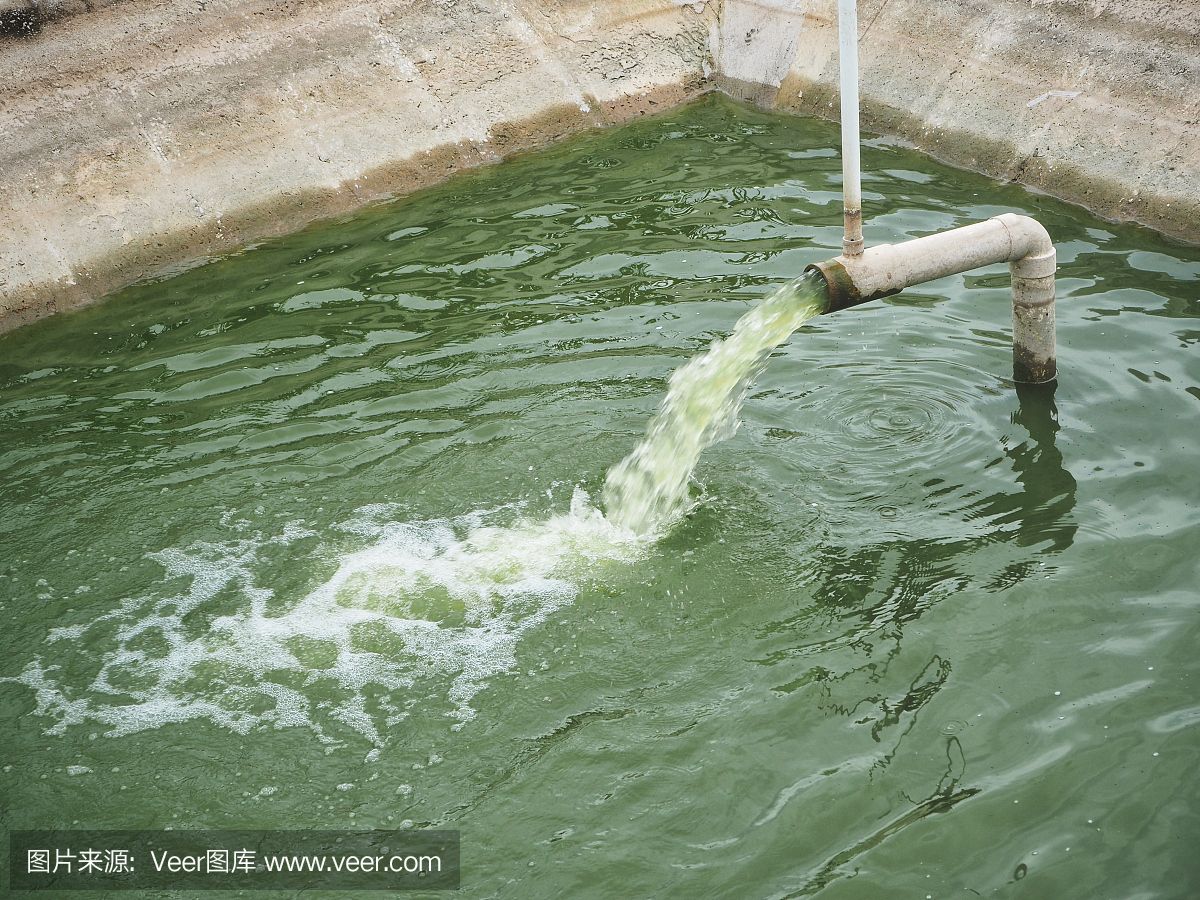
[(1018, 240)]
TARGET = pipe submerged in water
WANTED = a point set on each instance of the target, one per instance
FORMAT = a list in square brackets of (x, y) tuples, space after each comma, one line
[(859, 274), (1020, 241)]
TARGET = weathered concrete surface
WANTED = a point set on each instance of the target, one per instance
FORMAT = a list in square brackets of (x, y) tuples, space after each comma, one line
[(154, 132), (138, 135), (1094, 101), (25, 17)]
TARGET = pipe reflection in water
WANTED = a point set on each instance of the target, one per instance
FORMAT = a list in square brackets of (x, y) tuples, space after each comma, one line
[(1041, 510), (1035, 515), (877, 590)]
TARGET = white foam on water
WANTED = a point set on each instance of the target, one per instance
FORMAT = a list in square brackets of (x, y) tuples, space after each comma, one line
[(433, 602), (411, 606)]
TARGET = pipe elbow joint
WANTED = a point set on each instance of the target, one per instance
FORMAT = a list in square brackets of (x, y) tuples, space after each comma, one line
[(1032, 252)]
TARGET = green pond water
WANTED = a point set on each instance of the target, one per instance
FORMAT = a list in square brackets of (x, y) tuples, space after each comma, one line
[(311, 537)]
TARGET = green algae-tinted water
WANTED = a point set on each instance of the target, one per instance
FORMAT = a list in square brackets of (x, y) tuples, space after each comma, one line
[(300, 539)]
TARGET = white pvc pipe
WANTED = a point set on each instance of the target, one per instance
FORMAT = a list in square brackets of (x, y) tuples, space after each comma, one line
[(889, 268), (852, 241), (860, 275), (1020, 241)]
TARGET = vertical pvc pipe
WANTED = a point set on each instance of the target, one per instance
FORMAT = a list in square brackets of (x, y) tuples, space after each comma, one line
[(1034, 356), (852, 241)]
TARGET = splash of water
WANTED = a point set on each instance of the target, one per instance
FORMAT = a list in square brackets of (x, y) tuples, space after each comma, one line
[(647, 492), (447, 600), (444, 600)]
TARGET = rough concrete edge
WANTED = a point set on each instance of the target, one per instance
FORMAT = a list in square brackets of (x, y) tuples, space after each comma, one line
[(22, 19), (177, 251), (1173, 217)]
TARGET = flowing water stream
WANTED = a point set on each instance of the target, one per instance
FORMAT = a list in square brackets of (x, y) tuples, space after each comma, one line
[(648, 491), (344, 531)]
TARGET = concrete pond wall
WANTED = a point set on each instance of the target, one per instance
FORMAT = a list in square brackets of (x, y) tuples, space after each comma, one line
[(137, 136)]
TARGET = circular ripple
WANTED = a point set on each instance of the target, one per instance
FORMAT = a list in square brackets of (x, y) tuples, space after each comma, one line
[(878, 423), (900, 448)]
